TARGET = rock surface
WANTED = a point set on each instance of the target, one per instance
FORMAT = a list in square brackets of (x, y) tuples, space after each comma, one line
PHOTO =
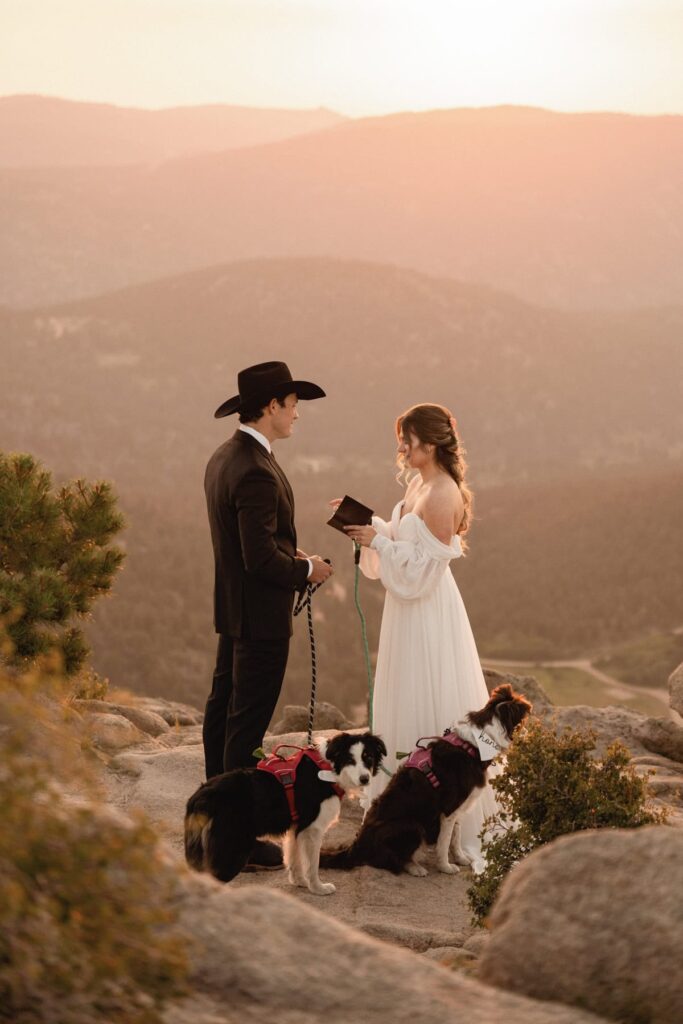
[(160, 781), (526, 685), (676, 689), (143, 719), (477, 942), (595, 920), (426, 920), (665, 782), (171, 711), (608, 724), (295, 719), (662, 736), (309, 968), (113, 732)]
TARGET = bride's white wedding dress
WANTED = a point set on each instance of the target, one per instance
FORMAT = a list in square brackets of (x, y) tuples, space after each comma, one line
[(428, 672)]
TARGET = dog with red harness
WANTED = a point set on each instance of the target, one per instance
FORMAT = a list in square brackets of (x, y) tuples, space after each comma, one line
[(439, 781), (297, 796)]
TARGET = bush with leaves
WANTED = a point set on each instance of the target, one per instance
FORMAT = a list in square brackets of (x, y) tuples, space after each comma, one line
[(552, 786), (86, 919), (56, 557), (88, 685)]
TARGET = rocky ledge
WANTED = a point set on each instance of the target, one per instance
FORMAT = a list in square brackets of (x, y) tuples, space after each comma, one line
[(404, 948)]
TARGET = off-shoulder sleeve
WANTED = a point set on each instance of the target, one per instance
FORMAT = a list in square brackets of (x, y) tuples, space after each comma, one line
[(412, 568), (369, 559)]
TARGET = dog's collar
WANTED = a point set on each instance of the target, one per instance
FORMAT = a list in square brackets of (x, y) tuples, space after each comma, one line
[(458, 741)]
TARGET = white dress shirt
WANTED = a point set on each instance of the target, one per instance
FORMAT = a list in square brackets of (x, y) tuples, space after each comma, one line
[(261, 438)]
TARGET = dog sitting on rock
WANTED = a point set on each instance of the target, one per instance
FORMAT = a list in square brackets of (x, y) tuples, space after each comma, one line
[(298, 797), (423, 801)]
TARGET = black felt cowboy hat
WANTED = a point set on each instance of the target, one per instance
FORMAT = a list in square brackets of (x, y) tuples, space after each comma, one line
[(264, 381)]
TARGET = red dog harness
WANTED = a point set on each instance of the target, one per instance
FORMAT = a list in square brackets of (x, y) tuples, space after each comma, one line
[(284, 770), (421, 757)]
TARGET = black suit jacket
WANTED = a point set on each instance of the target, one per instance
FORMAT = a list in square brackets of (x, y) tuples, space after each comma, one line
[(251, 514)]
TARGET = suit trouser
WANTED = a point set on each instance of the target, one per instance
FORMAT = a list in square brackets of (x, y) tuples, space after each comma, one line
[(246, 685)]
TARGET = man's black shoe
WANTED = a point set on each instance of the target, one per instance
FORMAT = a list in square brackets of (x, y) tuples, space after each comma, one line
[(264, 856)]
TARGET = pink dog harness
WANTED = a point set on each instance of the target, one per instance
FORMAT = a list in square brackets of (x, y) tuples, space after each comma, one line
[(284, 770), (421, 757)]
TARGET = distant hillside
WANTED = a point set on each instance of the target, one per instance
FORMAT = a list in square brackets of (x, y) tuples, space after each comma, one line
[(572, 423), (576, 210), (646, 662), (577, 567), (537, 392), (43, 131)]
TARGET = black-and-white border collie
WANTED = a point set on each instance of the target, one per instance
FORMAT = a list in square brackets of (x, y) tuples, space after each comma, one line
[(412, 811), (229, 812)]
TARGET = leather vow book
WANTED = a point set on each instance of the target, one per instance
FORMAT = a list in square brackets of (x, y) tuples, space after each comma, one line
[(350, 513)]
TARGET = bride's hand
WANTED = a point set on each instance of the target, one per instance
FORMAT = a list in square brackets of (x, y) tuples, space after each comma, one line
[(335, 503), (362, 535)]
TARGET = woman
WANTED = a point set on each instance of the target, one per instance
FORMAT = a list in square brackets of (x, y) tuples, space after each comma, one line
[(428, 672)]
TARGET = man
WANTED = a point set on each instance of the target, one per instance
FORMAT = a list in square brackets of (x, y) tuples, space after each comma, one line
[(258, 570)]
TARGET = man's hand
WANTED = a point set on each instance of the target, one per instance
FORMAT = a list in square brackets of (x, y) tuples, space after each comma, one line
[(321, 570)]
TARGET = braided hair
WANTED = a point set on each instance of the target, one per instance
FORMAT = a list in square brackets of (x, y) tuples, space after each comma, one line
[(436, 425)]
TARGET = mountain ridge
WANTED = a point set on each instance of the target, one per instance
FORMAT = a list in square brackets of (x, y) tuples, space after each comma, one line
[(564, 210), (49, 131), (476, 344)]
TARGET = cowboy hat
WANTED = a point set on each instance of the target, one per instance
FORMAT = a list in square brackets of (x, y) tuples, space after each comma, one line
[(260, 383)]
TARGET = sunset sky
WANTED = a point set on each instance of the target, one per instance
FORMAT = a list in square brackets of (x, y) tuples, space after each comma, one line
[(356, 56)]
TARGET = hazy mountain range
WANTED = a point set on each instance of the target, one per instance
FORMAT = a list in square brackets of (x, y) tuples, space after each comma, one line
[(571, 210), (573, 424), (44, 131), (537, 392)]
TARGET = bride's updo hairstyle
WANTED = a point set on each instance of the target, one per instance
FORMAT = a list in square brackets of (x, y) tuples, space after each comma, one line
[(436, 425)]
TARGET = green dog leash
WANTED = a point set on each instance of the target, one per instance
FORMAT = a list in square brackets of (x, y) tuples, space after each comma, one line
[(366, 648)]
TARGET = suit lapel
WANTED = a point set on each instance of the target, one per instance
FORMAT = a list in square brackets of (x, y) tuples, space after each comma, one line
[(290, 494), (244, 438)]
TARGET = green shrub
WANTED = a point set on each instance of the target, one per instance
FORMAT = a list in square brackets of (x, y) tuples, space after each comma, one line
[(86, 919), (552, 786), (56, 559)]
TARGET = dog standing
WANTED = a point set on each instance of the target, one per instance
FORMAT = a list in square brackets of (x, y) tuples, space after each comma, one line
[(414, 810), (229, 812)]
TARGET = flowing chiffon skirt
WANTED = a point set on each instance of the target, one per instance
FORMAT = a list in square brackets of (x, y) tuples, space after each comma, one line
[(428, 672)]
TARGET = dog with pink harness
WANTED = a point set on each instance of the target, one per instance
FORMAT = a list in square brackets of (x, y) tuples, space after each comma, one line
[(424, 799)]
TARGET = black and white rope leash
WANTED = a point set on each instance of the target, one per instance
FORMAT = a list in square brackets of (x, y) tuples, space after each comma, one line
[(304, 601)]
